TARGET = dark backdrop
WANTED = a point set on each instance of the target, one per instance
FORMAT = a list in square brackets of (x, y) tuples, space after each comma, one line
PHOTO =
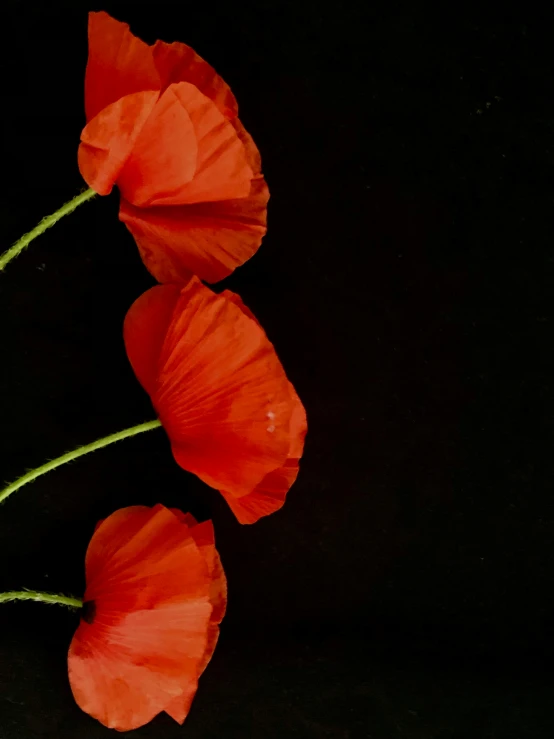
[(405, 590)]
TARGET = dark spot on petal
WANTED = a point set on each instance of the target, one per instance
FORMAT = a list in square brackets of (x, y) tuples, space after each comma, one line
[(88, 611)]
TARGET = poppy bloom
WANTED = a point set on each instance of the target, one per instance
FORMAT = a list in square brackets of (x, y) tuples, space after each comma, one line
[(220, 391), (155, 595), (163, 127)]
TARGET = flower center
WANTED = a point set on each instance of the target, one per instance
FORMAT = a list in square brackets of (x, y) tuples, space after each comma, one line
[(88, 611)]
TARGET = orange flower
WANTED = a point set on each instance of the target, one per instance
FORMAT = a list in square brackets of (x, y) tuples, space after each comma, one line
[(163, 126), (155, 595), (231, 414)]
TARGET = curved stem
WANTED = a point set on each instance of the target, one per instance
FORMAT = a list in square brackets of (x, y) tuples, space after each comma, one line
[(79, 452), (46, 223), (62, 600)]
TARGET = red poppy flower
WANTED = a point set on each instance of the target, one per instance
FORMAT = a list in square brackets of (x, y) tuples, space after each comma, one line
[(231, 414), (163, 126), (155, 595)]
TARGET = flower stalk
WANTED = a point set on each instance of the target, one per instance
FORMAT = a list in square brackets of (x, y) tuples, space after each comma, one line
[(44, 225), (75, 454), (62, 600)]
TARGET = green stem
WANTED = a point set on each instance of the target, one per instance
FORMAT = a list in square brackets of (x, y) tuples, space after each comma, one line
[(70, 456), (61, 600), (46, 223)]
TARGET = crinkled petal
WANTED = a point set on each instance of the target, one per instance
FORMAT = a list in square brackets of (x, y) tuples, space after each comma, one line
[(204, 536), (187, 152), (177, 62), (206, 239), (132, 553), (252, 152), (144, 330), (108, 139), (269, 496), (119, 64), (127, 675), (163, 159), (179, 707)]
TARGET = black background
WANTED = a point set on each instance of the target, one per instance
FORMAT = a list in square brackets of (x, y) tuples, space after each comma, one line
[(406, 588)]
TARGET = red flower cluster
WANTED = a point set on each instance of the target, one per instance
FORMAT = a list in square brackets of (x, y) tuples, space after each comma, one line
[(163, 127)]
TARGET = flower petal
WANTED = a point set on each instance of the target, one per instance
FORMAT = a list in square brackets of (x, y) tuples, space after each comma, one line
[(146, 644), (203, 534), (126, 676), (179, 707), (177, 62), (269, 496), (108, 139), (118, 64), (206, 239), (137, 546), (187, 152), (222, 394), (163, 159), (144, 331), (252, 152)]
